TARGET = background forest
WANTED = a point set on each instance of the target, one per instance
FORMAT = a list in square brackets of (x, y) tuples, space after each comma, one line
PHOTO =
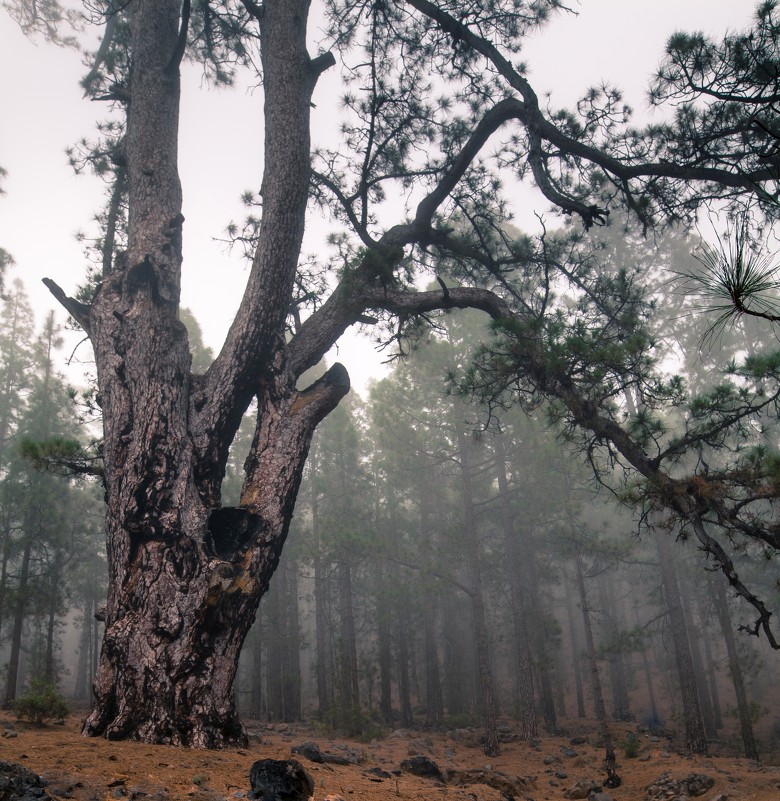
[(449, 563)]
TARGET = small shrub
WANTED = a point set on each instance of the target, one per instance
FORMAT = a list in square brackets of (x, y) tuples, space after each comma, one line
[(42, 702), (631, 745)]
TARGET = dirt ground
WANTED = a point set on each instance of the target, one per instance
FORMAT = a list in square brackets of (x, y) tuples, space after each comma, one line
[(93, 770)]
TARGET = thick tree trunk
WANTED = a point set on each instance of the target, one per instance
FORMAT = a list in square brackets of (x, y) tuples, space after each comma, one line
[(186, 577)]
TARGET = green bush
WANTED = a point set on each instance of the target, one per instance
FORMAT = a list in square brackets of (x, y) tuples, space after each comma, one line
[(42, 702), (631, 745)]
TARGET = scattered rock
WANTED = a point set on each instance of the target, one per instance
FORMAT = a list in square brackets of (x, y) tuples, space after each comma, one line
[(550, 760), (599, 797), (280, 780), (377, 774), (568, 752), (422, 745), (312, 752), (309, 750), (19, 784), (513, 786), (582, 789), (578, 741), (667, 788), (424, 767), (465, 737)]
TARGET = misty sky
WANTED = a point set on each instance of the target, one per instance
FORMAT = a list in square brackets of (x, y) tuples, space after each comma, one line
[(43, 112)]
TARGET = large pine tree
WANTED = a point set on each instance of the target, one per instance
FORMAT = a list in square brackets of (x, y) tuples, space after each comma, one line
[(437, 111)]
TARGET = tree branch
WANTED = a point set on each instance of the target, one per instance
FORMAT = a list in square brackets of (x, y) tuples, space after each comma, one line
[(181, 42), (77, 310)]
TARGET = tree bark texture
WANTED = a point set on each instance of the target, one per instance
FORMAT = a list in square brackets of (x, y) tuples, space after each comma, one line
[(186, 576)]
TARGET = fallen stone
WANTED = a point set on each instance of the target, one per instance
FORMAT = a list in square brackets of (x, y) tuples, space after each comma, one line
[(668, 788), (19, 784), (377, 774), (568, 752), (423, 767), (312, 752), (280, 780), (582, 789), (513, 786)]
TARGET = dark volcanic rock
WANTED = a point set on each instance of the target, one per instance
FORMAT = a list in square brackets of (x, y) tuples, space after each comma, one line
[(510, 786), (309, 750), (582, 789), (422, 766), (280, 780), (667, 788), (312, 752), (19, 784)]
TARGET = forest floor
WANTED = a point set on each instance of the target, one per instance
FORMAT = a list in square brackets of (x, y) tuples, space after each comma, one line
[(95, 769)]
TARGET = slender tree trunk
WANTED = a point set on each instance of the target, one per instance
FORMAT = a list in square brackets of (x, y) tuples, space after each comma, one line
[(699, 671), (617, 677), (595, 680), (49, 671), (256, 708), (20, 607), (481, 638), (385, 657), (434, 700), (350, 680), (516, 558), (293, 642), (648, 676), (82, 667), (743, 707), (575, 651), (695, 739), (712, 676), (404, 679), (320, 622), (273, 613)]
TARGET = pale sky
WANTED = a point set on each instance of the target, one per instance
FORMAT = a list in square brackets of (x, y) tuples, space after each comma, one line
[(42, 112)]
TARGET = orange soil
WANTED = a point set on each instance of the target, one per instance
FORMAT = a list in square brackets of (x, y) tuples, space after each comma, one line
[(93, 769)]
